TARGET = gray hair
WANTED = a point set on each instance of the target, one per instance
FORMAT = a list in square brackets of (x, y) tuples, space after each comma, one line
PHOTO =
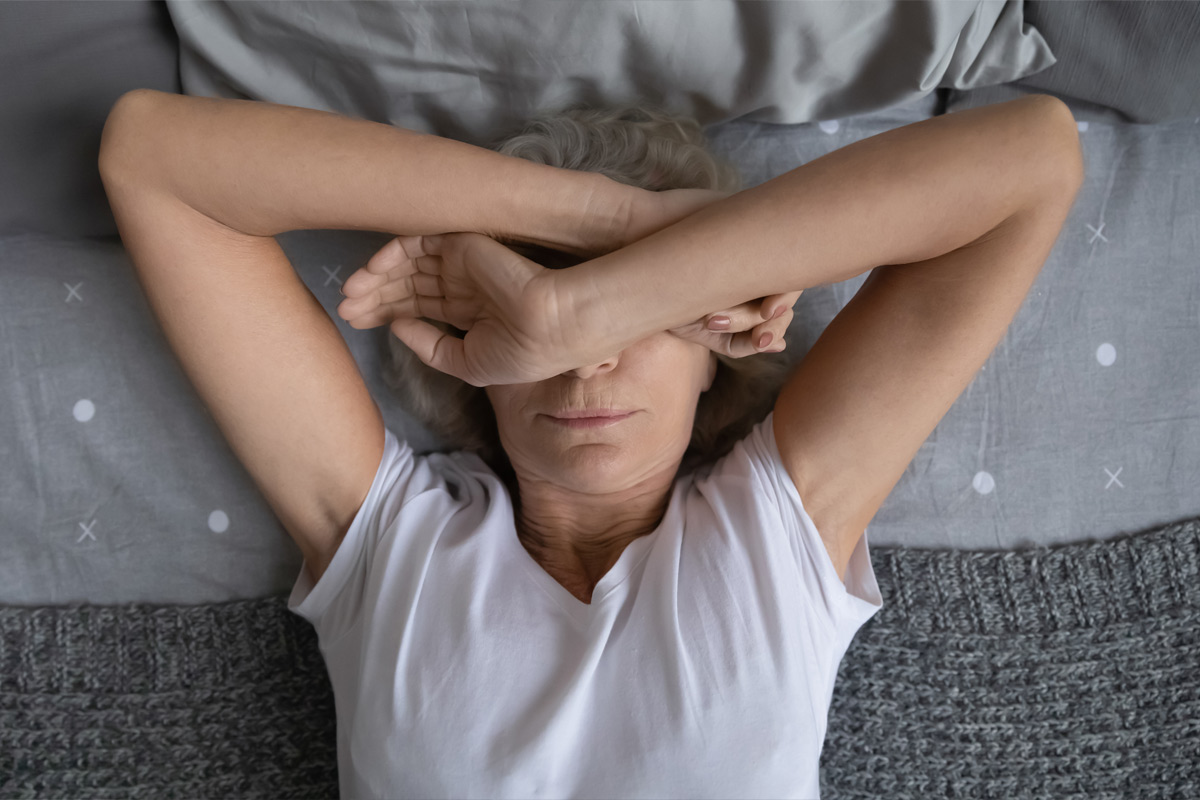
[(639, 146)]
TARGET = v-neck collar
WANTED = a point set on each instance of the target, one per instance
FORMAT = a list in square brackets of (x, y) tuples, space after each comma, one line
[(633, 554)]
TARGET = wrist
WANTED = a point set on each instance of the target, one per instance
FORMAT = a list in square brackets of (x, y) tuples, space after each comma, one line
[(583, 213), (608, 314)]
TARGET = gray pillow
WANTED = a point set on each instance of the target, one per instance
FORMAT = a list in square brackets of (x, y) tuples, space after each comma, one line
[(1118, 62), (64, 65), (1140, 59), (474, 70)]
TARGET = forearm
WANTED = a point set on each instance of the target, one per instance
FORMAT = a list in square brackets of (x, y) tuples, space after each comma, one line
[(906, 195), (264, 169)]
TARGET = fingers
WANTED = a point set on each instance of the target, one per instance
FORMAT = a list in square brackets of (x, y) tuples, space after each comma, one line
[(743, 343), (766, 337), (770, 336), (376, 307), (773, 303), (414, 306), (739, 318), (749, 323), (441, 351), (396, 259), (397, 280), (747, 315)]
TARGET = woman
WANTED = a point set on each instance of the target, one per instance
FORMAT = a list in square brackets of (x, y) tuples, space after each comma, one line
[(656, 633)]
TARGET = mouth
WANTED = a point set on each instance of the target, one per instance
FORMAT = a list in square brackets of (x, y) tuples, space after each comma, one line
[(590, 419)]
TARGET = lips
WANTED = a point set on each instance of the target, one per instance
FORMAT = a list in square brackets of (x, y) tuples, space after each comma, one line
[(591, 413), (596, 418)]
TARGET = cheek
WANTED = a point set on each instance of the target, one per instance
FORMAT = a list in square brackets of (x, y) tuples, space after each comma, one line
[(507, 402), (702, 367), (681, 395)]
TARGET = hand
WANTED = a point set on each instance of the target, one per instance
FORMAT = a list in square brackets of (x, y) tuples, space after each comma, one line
[(519, 327), (383, 291), (748, 323)]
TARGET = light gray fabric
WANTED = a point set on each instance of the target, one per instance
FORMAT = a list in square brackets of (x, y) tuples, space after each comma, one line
[(114, 499), (473, 70), (64, 65)]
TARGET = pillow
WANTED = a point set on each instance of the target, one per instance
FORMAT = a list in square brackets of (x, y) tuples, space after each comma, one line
[(1140, 59), (1105, 72), (474, 70), (64, 65)]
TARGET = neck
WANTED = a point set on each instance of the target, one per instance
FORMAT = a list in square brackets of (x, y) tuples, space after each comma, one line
[(583, 534)]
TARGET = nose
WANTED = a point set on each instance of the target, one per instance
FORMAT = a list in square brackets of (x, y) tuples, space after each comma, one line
[(583, 373)]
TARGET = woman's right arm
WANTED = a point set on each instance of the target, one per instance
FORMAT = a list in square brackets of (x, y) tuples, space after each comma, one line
[(903, 198), (906, 195)]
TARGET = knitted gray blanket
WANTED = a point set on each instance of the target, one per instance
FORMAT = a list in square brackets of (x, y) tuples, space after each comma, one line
[(1067, 672)]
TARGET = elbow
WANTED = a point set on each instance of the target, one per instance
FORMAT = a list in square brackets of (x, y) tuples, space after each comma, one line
[(118, 145), (1064, 151)]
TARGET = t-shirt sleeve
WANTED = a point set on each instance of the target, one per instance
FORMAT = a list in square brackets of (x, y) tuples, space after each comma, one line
[(845, 605), (335, 603)]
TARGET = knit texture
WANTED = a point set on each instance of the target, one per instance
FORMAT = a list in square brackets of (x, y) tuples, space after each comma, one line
[(1065, 672)]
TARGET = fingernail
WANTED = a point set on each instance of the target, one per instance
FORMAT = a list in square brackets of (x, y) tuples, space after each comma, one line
[(765, 340), (778, 312), (719, 324)]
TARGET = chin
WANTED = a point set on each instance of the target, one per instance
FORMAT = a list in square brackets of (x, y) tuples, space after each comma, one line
[(596, 470)]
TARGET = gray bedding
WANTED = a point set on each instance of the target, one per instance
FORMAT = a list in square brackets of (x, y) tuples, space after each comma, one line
[(472, 70), (1018, 672), (1053, 674), (1085, 422)]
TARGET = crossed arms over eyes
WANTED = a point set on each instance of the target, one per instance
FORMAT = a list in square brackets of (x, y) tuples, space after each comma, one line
[(198, 200)]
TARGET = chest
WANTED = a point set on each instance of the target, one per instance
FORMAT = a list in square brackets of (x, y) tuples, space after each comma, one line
[(579, 580), (527, 721), (657, 694), (578, 585)]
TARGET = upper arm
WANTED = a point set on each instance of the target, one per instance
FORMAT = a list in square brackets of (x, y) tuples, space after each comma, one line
[(265, 358), (853, 414)]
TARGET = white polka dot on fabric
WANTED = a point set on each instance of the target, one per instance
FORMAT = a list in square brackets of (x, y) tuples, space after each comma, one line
[(983, 482), (218, 521), (1083, 126), (84, 410), (1106, 354), (829, 125)]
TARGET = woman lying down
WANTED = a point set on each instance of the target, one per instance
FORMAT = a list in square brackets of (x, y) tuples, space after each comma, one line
[(637, 573)]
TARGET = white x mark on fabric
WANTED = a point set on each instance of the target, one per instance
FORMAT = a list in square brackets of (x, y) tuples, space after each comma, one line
[(1114, 477), (1097, 232), (332, 275), (72, 291), (87, 532)]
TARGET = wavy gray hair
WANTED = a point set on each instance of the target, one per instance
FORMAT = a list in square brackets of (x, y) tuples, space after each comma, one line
[(636, 145)]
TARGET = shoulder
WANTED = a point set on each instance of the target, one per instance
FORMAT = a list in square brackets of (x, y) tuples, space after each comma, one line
[(747, 479), (755, 451), (455, 478)]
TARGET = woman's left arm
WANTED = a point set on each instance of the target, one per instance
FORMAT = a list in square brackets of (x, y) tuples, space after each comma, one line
[(263, 169)]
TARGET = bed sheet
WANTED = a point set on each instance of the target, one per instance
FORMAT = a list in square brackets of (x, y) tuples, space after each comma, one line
[(1085, 422)]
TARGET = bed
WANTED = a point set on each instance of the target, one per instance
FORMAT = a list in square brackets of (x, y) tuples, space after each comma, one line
[(1039, 560)]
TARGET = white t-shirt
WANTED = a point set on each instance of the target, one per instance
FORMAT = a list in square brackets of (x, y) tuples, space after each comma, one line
[(703, 667)]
